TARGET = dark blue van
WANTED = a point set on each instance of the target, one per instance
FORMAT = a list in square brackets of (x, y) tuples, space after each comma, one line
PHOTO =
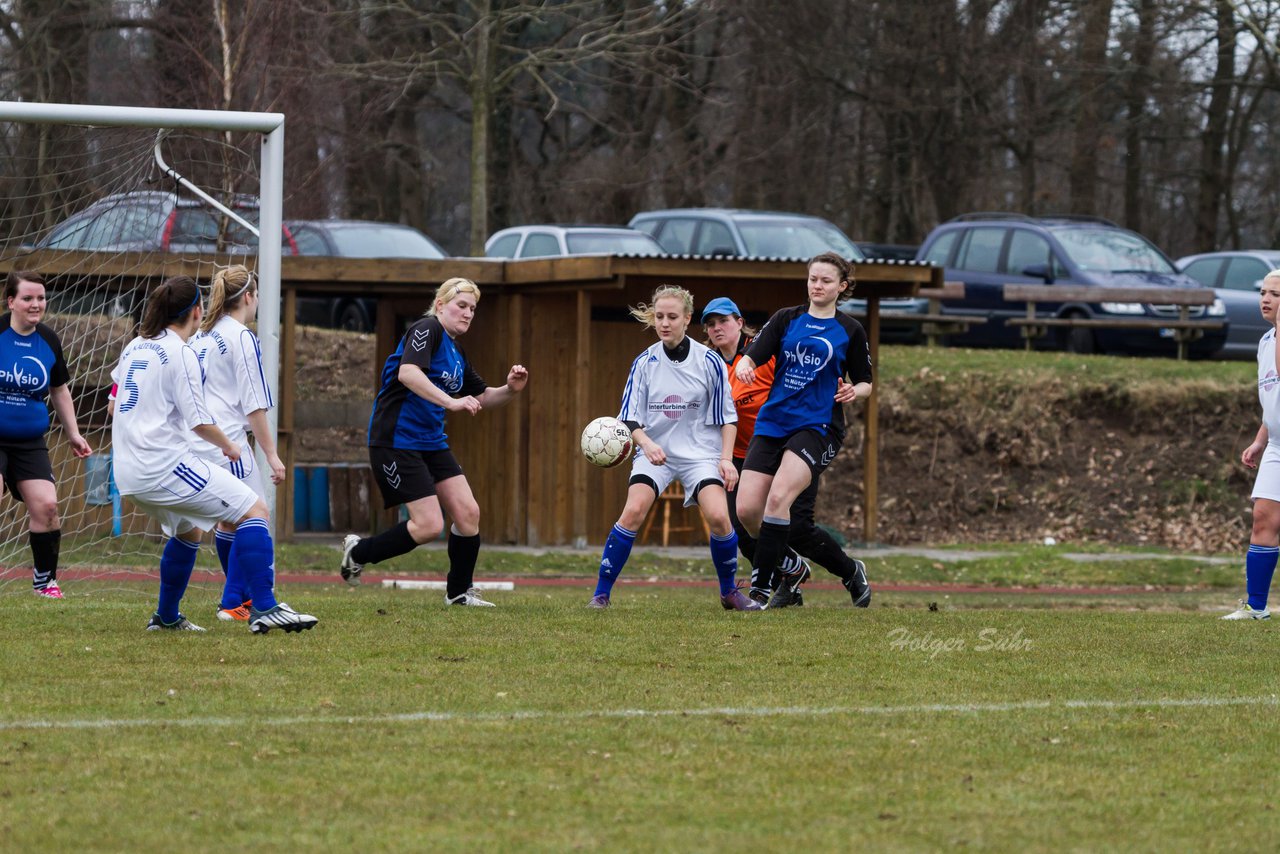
[(989, 250)]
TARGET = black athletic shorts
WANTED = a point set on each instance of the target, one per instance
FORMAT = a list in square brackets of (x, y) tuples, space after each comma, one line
[(816, 447), (403, 476), (24, 459)]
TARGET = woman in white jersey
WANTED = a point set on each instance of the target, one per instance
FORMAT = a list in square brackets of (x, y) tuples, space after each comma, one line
[(238, 396), (680, 410), (1264, 455), (158, 412)]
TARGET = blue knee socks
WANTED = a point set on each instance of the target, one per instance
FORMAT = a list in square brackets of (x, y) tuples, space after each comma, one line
[(724, 554), (176, 562), (616, 551), (234, 591), (253, 554), (1259, 566)]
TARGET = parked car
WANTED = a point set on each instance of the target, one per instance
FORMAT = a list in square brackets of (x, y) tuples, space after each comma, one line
[(150, 221), (744, 233), (987, 250), (1236, 278), (889, 251), (543, 241), (157, 221), (350, 238)]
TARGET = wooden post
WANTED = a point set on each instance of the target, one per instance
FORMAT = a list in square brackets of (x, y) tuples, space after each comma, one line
[(284, 416), (871, 435), (518, 429), (581, 409)]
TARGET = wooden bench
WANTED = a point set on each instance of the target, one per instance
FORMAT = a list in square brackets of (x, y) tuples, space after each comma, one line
[(673, 496), (1184, 328), (933, 323)]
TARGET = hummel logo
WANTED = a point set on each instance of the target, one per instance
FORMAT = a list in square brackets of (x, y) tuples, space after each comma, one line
[(393, 478), (421, 338)]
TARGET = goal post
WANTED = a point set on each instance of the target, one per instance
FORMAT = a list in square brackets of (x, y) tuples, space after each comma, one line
[(209, 127)]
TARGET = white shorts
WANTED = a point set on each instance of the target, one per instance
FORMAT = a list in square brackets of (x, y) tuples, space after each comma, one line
[(245, 469), (196, 494), (690, 474), (1267, 483)]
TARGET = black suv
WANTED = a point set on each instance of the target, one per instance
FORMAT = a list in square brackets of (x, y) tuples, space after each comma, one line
[(985, 251)]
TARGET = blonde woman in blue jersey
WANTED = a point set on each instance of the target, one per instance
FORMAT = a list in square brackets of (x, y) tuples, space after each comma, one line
[(427, 377), (1264, 455), (238, 396), (680, 410)]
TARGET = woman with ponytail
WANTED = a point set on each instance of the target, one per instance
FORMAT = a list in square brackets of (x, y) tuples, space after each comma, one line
[(236, 390), (158, 413)]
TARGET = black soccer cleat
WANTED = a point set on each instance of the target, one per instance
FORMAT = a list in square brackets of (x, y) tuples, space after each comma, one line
[(856, 584)]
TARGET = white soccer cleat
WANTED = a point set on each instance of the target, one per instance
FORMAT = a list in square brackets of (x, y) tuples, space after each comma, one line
[(1244, 612), (471, 597), (350, 569), (279, 617)]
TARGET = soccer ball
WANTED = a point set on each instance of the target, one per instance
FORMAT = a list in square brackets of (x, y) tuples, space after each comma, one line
[(606, 442)]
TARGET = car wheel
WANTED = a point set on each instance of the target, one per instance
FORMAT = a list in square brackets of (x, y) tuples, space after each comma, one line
[(1079, 340), (352, 317)]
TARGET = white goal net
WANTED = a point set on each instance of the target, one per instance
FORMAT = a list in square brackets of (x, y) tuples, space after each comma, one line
[(105, 203)]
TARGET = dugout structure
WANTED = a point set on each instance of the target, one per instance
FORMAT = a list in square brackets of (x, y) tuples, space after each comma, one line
[(566, 320)]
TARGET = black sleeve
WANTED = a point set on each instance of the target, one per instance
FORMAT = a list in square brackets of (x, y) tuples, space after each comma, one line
[(768, 342), (858, 357), (472, 384), (58, 373), (421, 341)]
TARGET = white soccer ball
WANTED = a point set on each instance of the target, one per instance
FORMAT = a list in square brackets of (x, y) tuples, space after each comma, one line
[(606, 442)]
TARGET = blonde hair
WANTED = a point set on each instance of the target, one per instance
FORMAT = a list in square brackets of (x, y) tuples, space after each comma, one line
[(644, 312), (450, 289), (1274, 274), (226, 292)]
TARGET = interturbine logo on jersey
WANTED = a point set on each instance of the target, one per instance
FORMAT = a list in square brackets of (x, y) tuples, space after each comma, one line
[(806, 359), (673, 406), (1268, 381), (25, 378)]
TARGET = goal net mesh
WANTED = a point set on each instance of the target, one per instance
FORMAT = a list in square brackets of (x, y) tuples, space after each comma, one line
[(92, 211)]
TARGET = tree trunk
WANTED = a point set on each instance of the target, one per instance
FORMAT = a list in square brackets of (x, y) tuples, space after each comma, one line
[(1083, 177), (1209, 199), (1144, 45), (481, 91)]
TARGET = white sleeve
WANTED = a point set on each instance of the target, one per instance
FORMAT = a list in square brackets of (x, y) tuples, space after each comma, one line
[(189, 394), (720, 408), (635, 394), (251, 378)]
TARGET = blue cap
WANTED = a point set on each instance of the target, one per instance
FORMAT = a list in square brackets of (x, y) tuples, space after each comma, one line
[(720, 305)]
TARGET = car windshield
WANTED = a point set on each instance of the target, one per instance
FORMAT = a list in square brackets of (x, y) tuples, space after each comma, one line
[(1109, 250), (381, 241), (613, 243), (779, 237)]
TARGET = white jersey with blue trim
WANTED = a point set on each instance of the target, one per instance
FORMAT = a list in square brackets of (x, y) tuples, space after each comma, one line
[(159, 399), (680, 405), (1269, 386), (235, 383)]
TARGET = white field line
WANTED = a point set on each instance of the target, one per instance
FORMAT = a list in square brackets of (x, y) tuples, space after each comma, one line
[(606, 714)]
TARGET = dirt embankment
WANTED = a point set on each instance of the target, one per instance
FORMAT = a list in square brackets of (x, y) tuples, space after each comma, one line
[(974, 459)]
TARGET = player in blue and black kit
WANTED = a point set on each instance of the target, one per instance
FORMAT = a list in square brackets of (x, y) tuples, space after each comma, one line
[(427, 376), (33, 370), (801, 426)]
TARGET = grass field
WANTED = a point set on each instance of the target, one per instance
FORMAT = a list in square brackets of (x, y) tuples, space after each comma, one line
[(996, 720)]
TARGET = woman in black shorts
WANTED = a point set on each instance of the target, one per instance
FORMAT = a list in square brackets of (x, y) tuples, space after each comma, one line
[(34, 373)]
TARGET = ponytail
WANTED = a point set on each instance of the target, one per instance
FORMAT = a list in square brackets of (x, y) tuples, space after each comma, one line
[(169, 303)]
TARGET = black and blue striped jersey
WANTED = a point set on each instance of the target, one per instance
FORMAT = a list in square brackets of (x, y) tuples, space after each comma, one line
[(402, 419), (30, 365), (812, 354)]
